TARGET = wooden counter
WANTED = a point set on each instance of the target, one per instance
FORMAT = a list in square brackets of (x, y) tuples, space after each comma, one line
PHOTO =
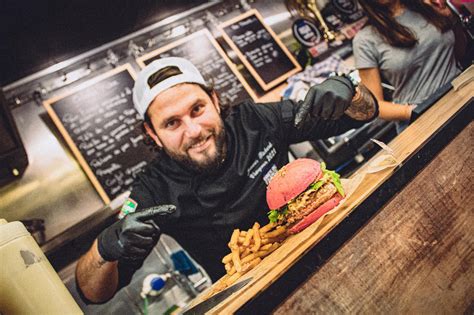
[(416, 256), (409, 255)]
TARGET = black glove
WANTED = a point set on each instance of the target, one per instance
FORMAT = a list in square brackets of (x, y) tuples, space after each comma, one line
[(133, 237), (327, 100)]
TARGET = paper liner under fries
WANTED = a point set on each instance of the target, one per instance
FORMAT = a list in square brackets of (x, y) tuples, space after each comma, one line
[(384, 161)]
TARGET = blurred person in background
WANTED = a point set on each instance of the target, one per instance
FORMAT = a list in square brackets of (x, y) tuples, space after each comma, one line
[(410, 45)]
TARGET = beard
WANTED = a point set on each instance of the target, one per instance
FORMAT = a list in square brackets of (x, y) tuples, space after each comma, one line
[(211, 163)]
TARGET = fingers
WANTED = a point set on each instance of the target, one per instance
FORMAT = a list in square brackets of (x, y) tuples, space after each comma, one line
[(328, 106), (335, 111), (305, 107), (151, 213), (339, 109), (141, 228), (344, 83), (137, 240), (135, 246), (153, 223), (135, 253), (301, 115)]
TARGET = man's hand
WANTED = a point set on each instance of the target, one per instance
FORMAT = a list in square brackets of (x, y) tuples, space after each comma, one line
[(327, 100), (133, 237)]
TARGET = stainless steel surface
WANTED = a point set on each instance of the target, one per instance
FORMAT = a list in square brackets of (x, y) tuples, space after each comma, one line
[(208, 304), (53, 187)]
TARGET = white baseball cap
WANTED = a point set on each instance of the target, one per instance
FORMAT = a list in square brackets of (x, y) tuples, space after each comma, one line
[(143, 95)]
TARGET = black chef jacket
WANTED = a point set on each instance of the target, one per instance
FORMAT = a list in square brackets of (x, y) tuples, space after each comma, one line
[(210, 207)]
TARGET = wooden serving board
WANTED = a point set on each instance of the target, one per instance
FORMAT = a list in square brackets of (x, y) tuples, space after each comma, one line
[(404, 145)]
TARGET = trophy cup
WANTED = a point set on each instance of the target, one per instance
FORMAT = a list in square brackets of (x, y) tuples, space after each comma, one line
[(309, 9)]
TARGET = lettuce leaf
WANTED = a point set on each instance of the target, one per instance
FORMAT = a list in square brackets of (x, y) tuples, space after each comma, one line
[(338, 184), (273, 216), (323, 166), (335, 177), (277, 215), (316, 185)]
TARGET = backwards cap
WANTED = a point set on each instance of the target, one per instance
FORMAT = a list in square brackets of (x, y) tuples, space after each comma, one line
[(143, 95)]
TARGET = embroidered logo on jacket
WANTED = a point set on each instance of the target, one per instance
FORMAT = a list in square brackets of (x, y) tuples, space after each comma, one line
[(263, 164)]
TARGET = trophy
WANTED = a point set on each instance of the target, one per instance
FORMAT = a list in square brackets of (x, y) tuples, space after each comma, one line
[(309, 9)]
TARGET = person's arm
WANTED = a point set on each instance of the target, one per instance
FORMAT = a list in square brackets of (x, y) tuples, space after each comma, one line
[(370, 77), (96, 277), (129, 240)]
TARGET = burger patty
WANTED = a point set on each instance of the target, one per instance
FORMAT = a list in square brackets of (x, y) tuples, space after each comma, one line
[(299, 211)]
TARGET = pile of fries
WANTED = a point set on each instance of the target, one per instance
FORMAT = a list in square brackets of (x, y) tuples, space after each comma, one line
[(248, 248)]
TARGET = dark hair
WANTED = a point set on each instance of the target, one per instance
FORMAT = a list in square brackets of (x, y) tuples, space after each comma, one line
[(393, 32), (166, 73)]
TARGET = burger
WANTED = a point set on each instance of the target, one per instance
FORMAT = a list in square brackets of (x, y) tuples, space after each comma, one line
[(301, 192)]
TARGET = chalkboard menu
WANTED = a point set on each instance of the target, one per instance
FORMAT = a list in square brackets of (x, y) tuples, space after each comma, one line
[(100, 125), (260, 49), (205, 53)]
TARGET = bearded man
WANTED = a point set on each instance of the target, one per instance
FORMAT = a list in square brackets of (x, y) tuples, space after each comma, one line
[(212, 167)]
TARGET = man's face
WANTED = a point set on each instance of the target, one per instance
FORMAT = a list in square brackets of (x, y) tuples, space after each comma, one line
[(187, 125)]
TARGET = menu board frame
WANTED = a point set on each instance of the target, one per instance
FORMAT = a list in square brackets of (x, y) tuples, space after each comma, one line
[(49, 105), (141, 60), (265, 86)]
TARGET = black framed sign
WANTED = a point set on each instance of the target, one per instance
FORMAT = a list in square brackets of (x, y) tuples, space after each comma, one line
[(259, 49), (100, 125)]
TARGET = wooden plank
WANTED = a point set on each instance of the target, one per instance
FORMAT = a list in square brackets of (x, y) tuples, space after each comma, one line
[(404, 146), (416, 256)]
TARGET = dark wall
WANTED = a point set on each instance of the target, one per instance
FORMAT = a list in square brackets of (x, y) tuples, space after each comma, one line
[(36, 34)]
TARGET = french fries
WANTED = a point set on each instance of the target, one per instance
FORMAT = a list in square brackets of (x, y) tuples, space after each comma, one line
[(256, 238), (267, 227), (248, 237), (248, 248), (277, 232), (235, 250)]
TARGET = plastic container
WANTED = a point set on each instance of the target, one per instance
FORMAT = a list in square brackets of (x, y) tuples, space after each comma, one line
[(28, 282)]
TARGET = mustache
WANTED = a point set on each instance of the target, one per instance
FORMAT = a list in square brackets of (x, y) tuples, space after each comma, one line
[(201, 137)]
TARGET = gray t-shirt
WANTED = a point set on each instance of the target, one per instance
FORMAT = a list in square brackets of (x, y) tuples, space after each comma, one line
[(414, 72)]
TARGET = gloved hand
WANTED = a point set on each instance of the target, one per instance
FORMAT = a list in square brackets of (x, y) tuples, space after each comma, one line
[(327, 100), (133, 237)]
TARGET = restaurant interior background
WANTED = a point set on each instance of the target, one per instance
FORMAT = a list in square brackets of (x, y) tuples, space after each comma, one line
[(51, 48)]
